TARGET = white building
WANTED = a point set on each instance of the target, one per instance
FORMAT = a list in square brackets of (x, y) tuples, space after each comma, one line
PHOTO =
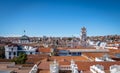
[(73, 43), (104, 58), (115, 69), (29, 49), (69, 52), (13, 50), (101, 45), (54, 67), (74, 67), (97, 69), (78, 52)]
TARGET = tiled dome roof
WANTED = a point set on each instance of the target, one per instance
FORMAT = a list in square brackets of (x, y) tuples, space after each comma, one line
[(24, 37)]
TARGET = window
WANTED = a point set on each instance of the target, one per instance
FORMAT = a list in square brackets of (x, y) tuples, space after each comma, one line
[(30, 52), (9, 57), (9, 53), (74, 53), (70, 53), (12, 49), (14, 53), (79, 53)]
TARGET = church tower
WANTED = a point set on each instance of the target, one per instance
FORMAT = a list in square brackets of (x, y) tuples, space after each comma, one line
[(83, 37), (54, 67)]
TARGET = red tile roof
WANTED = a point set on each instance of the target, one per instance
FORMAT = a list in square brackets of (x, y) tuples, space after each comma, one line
[(93, 55), (44, 65), (44, 71), (69, 58), (44, 50), (114, 50), (35, 58), (78, 47), (85, 66)]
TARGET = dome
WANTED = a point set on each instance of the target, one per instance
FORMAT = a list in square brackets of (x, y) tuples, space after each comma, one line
[(24, 37), (83, 28)]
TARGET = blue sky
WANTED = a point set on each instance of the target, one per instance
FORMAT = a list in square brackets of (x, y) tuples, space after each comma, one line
[(59, 17)]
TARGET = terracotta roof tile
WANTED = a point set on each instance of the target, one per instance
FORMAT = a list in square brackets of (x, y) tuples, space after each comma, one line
[(93, 55), (114, 51), (69, 58), (78, 47), (43, 71), (85, 66), (64, 63), (44, 50), (35, 58), (44, 65)]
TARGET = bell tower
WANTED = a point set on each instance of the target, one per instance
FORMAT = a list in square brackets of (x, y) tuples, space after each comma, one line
[(83, 36)]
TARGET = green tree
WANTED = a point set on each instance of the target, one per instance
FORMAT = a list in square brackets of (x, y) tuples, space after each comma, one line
[(54, 53), (2, 52), (20, 59)]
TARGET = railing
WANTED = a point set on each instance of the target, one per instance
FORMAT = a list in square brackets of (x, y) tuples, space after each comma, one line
[(34, 69), (88, 50), (65, 67)]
